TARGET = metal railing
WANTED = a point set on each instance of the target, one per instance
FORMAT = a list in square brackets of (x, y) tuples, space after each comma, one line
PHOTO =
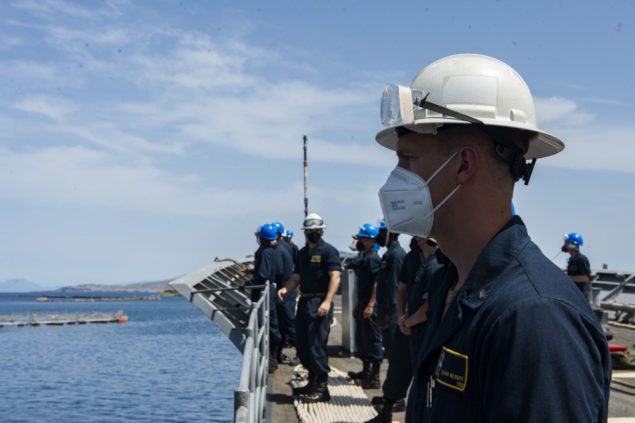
[(249, 398), (215, 290)]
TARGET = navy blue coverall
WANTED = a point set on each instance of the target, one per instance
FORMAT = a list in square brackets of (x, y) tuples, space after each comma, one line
[(368, 335), (517, 344), (387, 281), (578, 265), (312, 331), (267, 267), (417, 274), (286, 308), (395, 343), (418, 286)]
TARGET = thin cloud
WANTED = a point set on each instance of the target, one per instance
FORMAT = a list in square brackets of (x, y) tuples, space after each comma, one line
[(560, 110), (54, 108), (598, 148), (89, 178), (54, 8)]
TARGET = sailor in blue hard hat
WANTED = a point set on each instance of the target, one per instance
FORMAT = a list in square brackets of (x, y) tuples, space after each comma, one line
[(578, 267), (368, 334), (395, 343), (267, 269), (288, 237), (286, 308), (317, 272)]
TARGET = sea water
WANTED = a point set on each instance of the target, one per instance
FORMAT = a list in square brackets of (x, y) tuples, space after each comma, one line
[(169, 363)]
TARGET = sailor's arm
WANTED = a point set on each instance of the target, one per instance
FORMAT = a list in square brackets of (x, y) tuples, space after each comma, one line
[(289, 286), (402, 296), (580, 278), (334, 283)]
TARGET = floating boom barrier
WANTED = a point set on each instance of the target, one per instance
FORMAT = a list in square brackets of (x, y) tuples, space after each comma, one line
[(60, 319)]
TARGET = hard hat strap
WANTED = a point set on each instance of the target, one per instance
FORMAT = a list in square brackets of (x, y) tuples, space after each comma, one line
[(425, 104)]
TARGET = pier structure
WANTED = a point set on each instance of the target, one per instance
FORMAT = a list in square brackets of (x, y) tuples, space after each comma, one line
[(96, 298), (60, 319)]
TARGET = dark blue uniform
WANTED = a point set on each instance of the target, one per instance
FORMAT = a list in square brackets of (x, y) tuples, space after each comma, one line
[(417, 274), (368, 336), (419, 287), (518, 343), (267, 268), (578, 265), (312, 331), (286, 308), (387, 281), (294, 251)]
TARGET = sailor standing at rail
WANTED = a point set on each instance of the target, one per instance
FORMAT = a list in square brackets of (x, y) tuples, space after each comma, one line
[(288, 237), (507, 339), (387, 280), (286, 308), (395, 343), (420, 265), (368, 335), (578, 267), (267, 268), (317, 272)]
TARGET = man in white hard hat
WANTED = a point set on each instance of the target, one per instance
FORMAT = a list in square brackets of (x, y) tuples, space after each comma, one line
[(506, 338), (317, 271)]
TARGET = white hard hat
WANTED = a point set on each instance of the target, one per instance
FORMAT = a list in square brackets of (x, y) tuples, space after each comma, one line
[(480, 88), (313, 221)]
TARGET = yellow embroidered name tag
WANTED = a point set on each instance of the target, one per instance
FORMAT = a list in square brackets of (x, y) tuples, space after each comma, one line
[(452, 369), (316, 259)]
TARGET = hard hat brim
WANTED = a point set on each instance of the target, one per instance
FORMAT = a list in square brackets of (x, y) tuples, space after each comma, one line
[(542, 145)]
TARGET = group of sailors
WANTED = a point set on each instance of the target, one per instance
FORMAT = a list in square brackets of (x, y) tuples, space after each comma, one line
[(274, 263), (391, 310), (391, 305), (487, 330)]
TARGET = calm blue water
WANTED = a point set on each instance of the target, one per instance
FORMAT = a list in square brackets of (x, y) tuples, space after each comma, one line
[(167, 364)]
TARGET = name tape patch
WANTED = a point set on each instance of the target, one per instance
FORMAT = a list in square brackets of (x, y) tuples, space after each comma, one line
[(452, 369)]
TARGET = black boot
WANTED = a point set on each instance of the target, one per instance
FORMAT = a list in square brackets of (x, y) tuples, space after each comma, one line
[(363, 374), (372, 381), (308, 387), (320, 392), (280, 355), (399, 406), (385, 414), (273, 362)]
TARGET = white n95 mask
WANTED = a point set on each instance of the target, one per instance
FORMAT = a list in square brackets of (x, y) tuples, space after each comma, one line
[(406, 202)]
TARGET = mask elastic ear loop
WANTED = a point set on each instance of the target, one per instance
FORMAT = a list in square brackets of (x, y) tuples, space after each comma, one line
[(443, 165), (447, 197)]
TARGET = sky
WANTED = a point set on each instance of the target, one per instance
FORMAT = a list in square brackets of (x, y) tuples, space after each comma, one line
[(139, 140)]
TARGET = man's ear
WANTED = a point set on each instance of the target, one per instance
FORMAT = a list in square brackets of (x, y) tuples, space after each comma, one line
[(469, 162)]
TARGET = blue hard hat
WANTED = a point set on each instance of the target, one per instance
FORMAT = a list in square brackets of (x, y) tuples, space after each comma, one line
[(288, 234), (382, 224), (367, 231), (279, 227), (574, 238), (268, 232)]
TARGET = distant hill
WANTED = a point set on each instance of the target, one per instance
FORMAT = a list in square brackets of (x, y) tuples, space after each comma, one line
[(19, 285), (158, 286)]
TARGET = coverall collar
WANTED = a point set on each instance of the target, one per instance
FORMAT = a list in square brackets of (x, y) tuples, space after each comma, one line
[(504, 247)]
